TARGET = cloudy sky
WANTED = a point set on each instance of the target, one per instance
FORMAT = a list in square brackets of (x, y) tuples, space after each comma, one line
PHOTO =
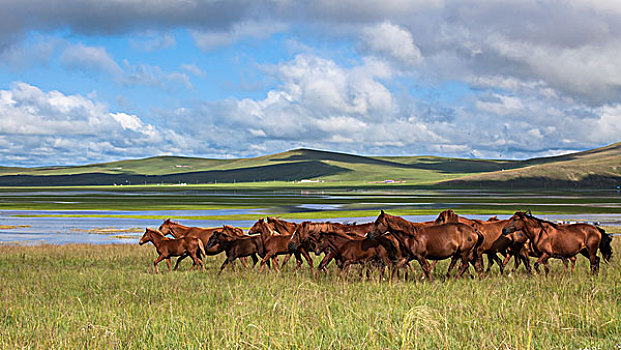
[(86, 81)]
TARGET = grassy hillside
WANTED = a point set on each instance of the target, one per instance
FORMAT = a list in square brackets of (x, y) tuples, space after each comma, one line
[(599, 167), (594, 168)]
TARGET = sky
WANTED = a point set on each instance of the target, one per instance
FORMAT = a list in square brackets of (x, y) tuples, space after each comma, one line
[(87, 81)]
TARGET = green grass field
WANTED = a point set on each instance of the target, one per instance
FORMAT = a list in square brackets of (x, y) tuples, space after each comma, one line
[(107, 297)]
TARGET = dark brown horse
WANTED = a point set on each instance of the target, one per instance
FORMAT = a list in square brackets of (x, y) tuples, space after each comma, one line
[(168, 247), (236, 247), (493, 240), (561, 241), (435, 242), (347, 251)]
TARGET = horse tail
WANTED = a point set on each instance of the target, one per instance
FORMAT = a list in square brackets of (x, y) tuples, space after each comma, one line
[(201, 247), (604, 244)]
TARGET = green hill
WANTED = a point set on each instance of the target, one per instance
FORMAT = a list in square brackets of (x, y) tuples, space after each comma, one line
[(599, 167)]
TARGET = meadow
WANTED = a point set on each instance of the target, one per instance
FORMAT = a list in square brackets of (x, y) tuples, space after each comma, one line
[(94, 297)]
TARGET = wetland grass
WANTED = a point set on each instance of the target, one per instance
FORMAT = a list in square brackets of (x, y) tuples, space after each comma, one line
[(86, 296)]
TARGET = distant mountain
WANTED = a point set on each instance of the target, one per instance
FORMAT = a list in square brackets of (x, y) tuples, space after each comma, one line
[(599, 168)]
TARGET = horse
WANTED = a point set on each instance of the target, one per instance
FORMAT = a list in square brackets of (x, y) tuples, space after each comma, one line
[(278, 244), (435, 242), (493, 240), (236, 247), (307, 234), (177, 230), (561, 241), (348, 251), (181, 247)]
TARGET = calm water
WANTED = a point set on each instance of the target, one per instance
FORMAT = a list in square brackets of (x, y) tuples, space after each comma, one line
[(48, 230)]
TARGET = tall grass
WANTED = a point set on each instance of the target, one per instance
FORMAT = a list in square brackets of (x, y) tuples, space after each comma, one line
[(83, 296)]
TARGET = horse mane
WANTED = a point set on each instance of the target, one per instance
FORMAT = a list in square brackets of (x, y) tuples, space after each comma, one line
[(400, 223), (540, 221), (447, 216)]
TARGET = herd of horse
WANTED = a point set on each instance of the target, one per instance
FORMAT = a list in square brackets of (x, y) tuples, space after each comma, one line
[(389, 242)]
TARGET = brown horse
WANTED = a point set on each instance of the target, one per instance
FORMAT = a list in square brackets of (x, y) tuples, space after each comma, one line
[(493, 240), (236, 247), (561, 241), (348, 251), (435, 242), (167, 247), (278, 244), (177, 230)]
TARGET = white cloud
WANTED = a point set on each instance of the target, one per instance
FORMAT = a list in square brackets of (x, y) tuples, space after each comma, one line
[(393, 41), (41, 127)]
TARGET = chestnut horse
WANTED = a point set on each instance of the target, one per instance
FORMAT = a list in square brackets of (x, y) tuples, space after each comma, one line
[(167, 247), (561, 241), (236, 247), (435, 242), (177, 230), (278, 244)]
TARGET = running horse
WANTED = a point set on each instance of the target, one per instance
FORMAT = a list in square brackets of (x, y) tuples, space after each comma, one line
[(177, 230), (168, 247), (561, 241), (435, 242)]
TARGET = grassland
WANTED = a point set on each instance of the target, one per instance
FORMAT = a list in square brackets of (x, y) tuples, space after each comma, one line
[(96, 297)]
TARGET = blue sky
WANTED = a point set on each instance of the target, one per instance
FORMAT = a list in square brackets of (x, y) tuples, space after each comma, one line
[(85, 81)]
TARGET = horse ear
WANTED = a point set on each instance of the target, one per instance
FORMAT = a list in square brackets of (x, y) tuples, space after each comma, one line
[(529, 213), (382, 212)]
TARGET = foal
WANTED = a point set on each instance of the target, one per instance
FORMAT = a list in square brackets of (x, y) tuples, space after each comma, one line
[(181, 247)]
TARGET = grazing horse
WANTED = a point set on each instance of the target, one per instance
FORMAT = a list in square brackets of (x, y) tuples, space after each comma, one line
[(278, 244), (236, 247), (167, 247), (435, 242), (561, 241), (169, 227)]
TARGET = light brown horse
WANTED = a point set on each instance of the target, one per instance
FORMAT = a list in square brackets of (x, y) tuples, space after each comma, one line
[(181, 247), (435, 242), (561, 241), (281, 226)]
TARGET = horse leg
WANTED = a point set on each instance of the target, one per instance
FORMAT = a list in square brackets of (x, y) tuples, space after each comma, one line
[(264, 261), (285, 260), (275, 262), (169, 264), (226, 262), (451, 266), (254, 259), (157, 261), (573, 263), (345, 269), (197, 262), (309, 260), (299, 261), (179, 260), (244, 262), (542, 258), (424, 264), (326, 260)]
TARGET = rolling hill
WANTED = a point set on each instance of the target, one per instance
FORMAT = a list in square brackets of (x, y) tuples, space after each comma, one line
[(594, 168)]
